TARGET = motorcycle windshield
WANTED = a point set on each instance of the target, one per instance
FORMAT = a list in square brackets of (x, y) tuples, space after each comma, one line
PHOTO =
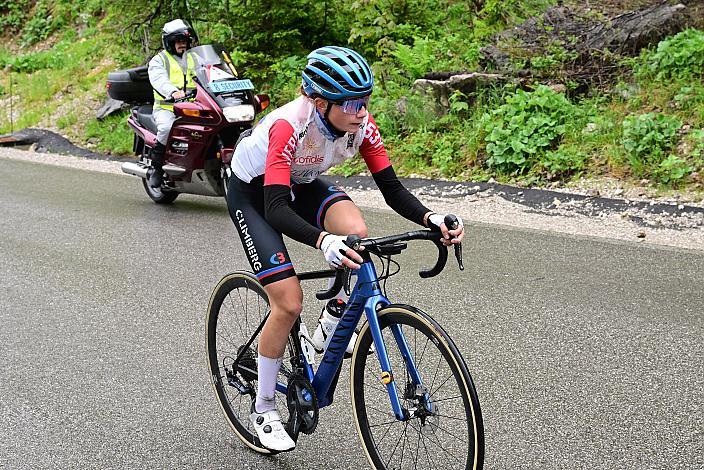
[(218, 76), (208, 54)]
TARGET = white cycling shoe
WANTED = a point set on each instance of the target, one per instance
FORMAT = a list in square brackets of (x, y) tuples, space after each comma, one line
[(271, 431)]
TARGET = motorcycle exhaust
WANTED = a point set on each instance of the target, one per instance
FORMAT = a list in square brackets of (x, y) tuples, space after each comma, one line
[(140, 169), (137, 169)]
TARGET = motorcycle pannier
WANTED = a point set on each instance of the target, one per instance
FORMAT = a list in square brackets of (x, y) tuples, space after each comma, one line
[(131, 86)]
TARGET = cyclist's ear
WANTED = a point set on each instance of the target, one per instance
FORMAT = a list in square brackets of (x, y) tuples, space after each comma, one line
[(320, 104)]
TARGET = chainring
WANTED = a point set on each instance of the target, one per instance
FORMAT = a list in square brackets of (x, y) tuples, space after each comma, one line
[(302, 406)]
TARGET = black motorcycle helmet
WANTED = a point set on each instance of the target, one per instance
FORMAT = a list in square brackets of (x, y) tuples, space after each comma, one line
[(177, 30)]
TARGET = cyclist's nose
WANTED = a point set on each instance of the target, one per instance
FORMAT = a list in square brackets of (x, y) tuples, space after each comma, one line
[(362, 112)]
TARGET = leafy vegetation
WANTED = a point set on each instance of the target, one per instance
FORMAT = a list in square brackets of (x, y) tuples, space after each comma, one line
[(525, 128), (648, 138), (679, 57), (647, 126)]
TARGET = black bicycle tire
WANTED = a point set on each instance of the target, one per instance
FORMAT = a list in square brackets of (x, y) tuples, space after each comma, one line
[(390, 315)]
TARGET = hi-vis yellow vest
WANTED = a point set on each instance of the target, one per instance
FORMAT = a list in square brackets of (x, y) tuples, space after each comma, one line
[(177, 77)]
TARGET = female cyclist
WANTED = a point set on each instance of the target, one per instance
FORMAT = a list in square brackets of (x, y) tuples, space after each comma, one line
[(276, 188)]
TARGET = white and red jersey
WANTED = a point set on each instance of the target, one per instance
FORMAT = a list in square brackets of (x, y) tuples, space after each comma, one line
[(288, 147)]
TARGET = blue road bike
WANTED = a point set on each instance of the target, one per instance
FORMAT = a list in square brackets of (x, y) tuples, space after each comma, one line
[(413, 399)]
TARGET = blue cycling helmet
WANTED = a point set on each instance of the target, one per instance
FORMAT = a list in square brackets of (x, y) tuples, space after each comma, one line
[(337, 74)]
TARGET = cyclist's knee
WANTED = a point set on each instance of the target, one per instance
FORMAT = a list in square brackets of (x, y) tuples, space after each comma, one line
[(345, 218), (289, 306), (356, 227), (360, 229), (286, 297)]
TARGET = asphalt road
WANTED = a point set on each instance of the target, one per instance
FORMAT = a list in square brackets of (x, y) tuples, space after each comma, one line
[(586, 353)]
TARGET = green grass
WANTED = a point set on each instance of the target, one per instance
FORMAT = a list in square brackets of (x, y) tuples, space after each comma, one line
[(113, 134)]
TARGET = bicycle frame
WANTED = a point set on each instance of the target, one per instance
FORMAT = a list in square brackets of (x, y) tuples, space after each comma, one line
[(367, 298)]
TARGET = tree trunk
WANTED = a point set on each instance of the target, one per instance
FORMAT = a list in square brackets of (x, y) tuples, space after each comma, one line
[(632, 31)]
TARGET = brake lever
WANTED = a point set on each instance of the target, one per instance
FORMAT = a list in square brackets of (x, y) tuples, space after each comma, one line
[(452, 223), (342, 275), (334, 289)]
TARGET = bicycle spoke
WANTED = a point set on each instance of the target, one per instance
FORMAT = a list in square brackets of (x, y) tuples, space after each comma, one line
[(427, 454), (437, 369), (435, 427), (378, 389), (451, 417), (245, 315), (384, 424), (375, 385), (415, 466), (385, 434), (425, 346), (441, 385), (403, 446), (395, 447), (437, 442), (383, 412), (445, 399), (227, 339)]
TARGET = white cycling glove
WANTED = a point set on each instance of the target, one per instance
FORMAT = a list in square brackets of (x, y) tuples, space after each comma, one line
[(334, 248), (436, 220)]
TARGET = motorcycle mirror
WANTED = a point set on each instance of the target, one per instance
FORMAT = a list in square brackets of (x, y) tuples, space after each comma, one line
[(262, 102)]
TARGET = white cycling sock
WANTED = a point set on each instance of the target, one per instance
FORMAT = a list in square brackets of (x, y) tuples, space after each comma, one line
[(267, 370)]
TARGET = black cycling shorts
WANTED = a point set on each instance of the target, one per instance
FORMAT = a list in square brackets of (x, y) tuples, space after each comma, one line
[(264, 245)]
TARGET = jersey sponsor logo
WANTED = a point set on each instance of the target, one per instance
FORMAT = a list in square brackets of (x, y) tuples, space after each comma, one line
[(371, 133), (277, 258), (303, 133), (308, 160), (305, 174), (335, 189), (249, 247), (350, 140), (309, 146), (290, 149)]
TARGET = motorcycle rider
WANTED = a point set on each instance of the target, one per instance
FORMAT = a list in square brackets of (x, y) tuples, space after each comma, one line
[(276, 188), (171, 75)]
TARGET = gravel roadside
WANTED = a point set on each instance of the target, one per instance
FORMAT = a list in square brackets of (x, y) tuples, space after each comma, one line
[(644, 221)]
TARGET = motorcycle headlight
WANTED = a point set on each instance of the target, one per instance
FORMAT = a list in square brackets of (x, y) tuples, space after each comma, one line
[(239, 113)]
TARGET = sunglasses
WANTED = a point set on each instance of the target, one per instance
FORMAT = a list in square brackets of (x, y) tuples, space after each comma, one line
[(353, 106)]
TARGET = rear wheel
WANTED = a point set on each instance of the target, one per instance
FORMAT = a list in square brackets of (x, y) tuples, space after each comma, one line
[(237, 307), (444, 429), (158, 195)]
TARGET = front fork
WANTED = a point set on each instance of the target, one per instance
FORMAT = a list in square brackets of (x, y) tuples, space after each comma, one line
[(412, 389)]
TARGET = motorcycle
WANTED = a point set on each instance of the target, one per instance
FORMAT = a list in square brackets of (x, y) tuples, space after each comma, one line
[(209, 122)]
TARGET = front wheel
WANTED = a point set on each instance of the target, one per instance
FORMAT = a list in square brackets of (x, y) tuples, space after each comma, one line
[(444, 428)]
